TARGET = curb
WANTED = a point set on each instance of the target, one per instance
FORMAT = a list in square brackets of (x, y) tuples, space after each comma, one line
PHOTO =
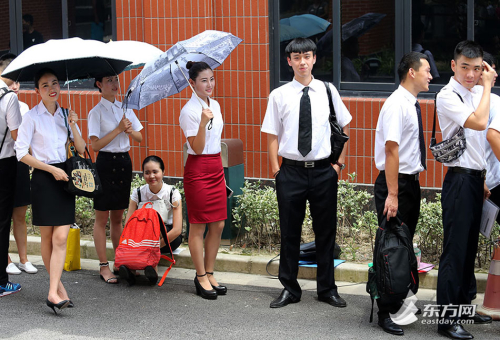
[(347, 272)]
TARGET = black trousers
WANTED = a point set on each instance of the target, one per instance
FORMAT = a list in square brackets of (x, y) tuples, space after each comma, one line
[(409, 210), (294, 186), (8, 170), (462, 201)]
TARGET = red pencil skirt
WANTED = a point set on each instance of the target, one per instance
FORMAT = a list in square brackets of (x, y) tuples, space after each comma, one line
[(205, 189)]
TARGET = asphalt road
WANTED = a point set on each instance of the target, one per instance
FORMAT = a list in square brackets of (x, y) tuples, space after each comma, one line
[(173, 311)]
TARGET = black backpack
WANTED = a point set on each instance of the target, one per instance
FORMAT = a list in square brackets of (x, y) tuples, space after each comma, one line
[(394, 262)]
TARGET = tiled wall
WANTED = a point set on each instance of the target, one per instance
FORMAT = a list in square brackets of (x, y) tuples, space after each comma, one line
[(242, 87)]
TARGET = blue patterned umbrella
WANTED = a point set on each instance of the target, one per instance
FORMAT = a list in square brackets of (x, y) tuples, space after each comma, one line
[(165, 75)]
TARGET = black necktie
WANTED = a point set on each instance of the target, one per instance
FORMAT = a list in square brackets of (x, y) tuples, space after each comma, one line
[(421, 135), (305, 123)]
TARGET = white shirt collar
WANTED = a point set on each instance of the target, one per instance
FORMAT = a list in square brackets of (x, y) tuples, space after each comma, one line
[(109, 105), (462, 90), (159, 193), (407, 95), (297, 86), (41, 109)]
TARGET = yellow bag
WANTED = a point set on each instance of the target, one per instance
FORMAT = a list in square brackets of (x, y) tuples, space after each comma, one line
[(73, 249)]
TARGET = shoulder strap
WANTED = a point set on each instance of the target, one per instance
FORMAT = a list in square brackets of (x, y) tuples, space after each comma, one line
[(333, 116), (171, 193), (65, 115), (433, 137), (139, 195), (3, 92)]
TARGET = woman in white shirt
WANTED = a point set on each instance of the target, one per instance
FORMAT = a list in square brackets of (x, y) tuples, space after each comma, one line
[(45, 128), (204, 182), (109, 131), (166, 201)]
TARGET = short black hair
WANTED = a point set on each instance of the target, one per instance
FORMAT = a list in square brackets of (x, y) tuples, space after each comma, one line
[(469, 49), (155, 159), (489, 58), (410, 60), (300, 45), (41, 72), (5, 60), (28, 18), (196, 67)]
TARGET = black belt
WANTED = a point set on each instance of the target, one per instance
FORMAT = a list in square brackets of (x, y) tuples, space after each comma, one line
[(460, 170), (413, 177), (307, 164)]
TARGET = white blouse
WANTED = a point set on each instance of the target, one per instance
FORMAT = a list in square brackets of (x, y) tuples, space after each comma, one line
[(164, 194), (45, 133), (190, 120), (105, 117)]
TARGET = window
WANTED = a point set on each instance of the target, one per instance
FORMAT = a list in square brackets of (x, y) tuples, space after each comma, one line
[(90, 19), (4, 28), (362, 41)]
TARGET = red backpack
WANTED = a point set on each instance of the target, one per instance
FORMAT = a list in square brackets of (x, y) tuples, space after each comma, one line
[(140, 241)]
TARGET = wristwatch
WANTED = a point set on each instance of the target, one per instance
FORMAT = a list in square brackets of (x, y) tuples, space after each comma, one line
[(341, 165)]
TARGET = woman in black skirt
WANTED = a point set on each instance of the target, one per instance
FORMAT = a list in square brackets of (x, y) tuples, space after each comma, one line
[(45, 128), (109, 131)]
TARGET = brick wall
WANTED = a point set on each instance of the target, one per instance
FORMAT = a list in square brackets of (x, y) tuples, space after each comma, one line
[(242, 87)]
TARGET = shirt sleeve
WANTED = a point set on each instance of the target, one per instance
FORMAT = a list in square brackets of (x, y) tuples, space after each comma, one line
[(94, 123), (271, 123), (136, 124), (392, 124), (13, 116), (449, 105), (134, 197), (343, 115), (24, 136), (190, 122), (176, 196)]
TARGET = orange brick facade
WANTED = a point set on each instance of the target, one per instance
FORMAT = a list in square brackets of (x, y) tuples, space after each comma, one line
[(242, 87)]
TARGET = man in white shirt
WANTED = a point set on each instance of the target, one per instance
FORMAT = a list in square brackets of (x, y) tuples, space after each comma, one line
[(10, 119), (400, 156), (463, 187), (297, 124)]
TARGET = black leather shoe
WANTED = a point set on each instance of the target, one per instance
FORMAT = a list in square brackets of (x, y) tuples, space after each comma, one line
[(206, 294), (480, 319), (127, 275), (151, 274), (390, 327), (284, 299), (455, 331), (334, 300), (221, 290)]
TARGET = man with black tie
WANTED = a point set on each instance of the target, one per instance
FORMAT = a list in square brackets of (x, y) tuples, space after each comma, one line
[(400, 157), (297, 124)]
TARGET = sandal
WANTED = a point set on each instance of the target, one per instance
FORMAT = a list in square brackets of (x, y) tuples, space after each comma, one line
[(111, 280)]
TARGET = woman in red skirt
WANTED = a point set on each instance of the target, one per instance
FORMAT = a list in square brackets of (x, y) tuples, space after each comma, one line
[(204, 182)]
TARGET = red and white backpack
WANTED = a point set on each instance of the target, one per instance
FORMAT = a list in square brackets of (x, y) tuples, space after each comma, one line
[(139, 245)]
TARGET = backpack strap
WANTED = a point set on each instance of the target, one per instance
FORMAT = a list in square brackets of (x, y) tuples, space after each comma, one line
[(3, 92), (65, 115), (171, 193), (333, 116), (138, 195)]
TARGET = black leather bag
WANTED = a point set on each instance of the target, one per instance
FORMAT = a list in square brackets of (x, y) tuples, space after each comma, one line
[(337, 138), (308, 251), (83, 177)]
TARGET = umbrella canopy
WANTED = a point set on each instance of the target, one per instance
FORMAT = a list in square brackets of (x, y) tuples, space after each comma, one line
[(289, 33), (137, 51), (163, 76), (357, 27), (72, 58), (308, 24)]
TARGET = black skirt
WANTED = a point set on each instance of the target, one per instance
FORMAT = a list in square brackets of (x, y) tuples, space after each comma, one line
[(22, 196), (51, 204), (115, 172)]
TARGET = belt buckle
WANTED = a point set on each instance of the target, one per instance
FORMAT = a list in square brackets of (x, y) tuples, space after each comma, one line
[(308, 164), (483, 173), (417, 176)]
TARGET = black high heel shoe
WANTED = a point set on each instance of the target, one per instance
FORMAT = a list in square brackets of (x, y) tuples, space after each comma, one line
[(221, 290), (61, 305), (206, 294)]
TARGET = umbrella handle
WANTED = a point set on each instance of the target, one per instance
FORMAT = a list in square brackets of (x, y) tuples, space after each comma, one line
[(201, 102)]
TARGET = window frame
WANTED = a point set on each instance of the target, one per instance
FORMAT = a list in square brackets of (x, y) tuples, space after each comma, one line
[(402, 39)]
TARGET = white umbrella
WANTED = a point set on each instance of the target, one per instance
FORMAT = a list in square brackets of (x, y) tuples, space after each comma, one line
[(72, 58), (137, 51)]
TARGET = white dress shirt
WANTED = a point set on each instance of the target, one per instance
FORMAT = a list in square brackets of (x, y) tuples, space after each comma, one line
[(282, 119), (190, 120), (23, 107), (164, 194), (453, 114), (398, 122), (10, 117), (493, 165), (47, 135), (105, 117)]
